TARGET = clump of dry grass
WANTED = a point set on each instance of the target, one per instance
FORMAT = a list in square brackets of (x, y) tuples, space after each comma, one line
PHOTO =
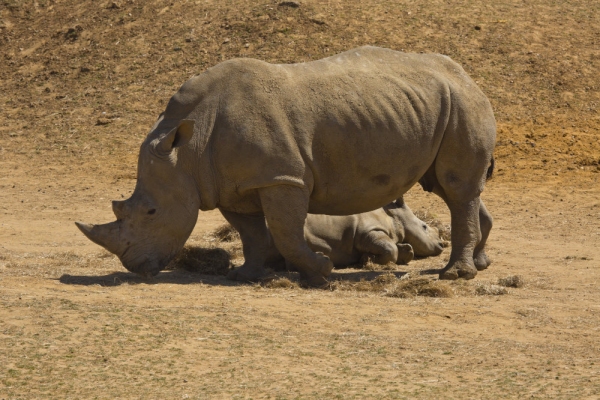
[(226, 233), (281, 282), (210, 261), (420, 286), (486, 289), (392, 286), (514, 281), (369, 265)]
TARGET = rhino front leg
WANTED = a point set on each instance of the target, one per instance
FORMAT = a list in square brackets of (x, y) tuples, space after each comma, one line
[(255, 244), (481, 259), (285, 209)]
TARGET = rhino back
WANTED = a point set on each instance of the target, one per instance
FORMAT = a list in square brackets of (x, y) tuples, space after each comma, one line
[(357, 129)]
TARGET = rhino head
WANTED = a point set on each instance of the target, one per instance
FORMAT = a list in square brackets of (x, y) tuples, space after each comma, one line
[(424, 240), (154, 223)]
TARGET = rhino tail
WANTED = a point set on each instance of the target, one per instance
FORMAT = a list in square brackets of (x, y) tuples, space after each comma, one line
[(490, 170)]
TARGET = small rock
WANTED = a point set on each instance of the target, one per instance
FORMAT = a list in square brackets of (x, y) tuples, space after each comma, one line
[(103, 121), (318, 19), (188, 40), (176, 48), (477, 27), (113, 6), (227, 40), (84, 69), (247, 45), (291, 4)]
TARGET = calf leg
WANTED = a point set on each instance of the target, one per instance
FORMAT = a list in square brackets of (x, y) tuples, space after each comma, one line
[(378, 246), (255, 245), (405, 253), (485, 223), (285, 209)]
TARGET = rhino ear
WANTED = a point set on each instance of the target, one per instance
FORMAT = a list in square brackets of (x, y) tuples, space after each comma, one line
[(177, 137)]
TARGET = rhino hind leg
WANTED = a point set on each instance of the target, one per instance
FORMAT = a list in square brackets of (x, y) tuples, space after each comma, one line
[(255, 244), (481, 259), (285, 208)]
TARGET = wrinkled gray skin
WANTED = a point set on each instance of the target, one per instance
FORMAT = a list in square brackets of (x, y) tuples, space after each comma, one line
[(338, 136), (388, 234)]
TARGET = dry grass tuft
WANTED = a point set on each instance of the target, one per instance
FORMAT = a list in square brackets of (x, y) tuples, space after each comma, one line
[(226, 233), (371, 266), (210, 261), (486, 289), (407, 288), (281, 283), (392, 286), (514, 281)]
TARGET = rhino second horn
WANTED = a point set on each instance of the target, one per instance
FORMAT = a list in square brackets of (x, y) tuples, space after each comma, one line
[(106, 235)]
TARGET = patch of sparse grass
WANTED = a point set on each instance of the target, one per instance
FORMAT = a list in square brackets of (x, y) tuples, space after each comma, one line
[(369, 265), (226, 233), (420, 286), (514, 281), (392, 286), (487, 289), (281, 283)]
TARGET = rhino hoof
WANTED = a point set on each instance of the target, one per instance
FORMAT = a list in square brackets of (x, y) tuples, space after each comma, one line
[(325, 266), (459, 270), (482, 261), (315, 281)]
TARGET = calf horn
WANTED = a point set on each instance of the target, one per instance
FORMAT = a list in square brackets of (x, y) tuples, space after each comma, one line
[(106, 235)]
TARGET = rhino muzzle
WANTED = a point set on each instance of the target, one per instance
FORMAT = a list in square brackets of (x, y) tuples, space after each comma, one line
[(107, 236)]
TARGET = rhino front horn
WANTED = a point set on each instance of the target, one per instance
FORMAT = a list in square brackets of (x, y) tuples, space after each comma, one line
[(106, 235)]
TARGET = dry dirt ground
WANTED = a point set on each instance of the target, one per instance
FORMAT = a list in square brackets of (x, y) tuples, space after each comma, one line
[(81, 83)]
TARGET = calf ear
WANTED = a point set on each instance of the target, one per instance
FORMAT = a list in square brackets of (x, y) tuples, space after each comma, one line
[(177, 137)]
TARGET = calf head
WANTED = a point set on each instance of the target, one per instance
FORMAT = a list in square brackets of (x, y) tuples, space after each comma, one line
[(154, 223), (424, 240)]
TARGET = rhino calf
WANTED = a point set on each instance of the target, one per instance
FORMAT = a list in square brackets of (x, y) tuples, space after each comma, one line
[(389, 234)]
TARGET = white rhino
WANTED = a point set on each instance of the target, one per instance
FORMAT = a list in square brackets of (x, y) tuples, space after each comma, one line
[(342, 135), (388, 234)]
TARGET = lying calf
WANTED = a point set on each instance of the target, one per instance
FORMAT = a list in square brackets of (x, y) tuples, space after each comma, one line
[(388, 234)]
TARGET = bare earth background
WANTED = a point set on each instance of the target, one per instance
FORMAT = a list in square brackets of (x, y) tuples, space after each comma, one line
[(81, 83)]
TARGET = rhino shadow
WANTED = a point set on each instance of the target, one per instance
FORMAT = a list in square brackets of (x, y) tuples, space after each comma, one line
[(210, 266), (127, 278)]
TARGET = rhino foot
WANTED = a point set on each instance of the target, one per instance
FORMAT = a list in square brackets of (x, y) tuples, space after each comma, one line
[(314, 280), (482, 261), (459, 269), (324, 265), (247, 273)]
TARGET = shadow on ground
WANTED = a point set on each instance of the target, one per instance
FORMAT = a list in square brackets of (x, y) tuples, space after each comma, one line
[(195, 265)]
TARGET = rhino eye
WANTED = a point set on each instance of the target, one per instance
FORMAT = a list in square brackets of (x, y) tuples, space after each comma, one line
[(152, 211)]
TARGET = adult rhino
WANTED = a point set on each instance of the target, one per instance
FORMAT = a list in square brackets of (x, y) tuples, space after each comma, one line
[(342, 135)]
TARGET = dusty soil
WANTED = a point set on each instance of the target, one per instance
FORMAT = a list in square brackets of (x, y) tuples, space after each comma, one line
[(81, 83)]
